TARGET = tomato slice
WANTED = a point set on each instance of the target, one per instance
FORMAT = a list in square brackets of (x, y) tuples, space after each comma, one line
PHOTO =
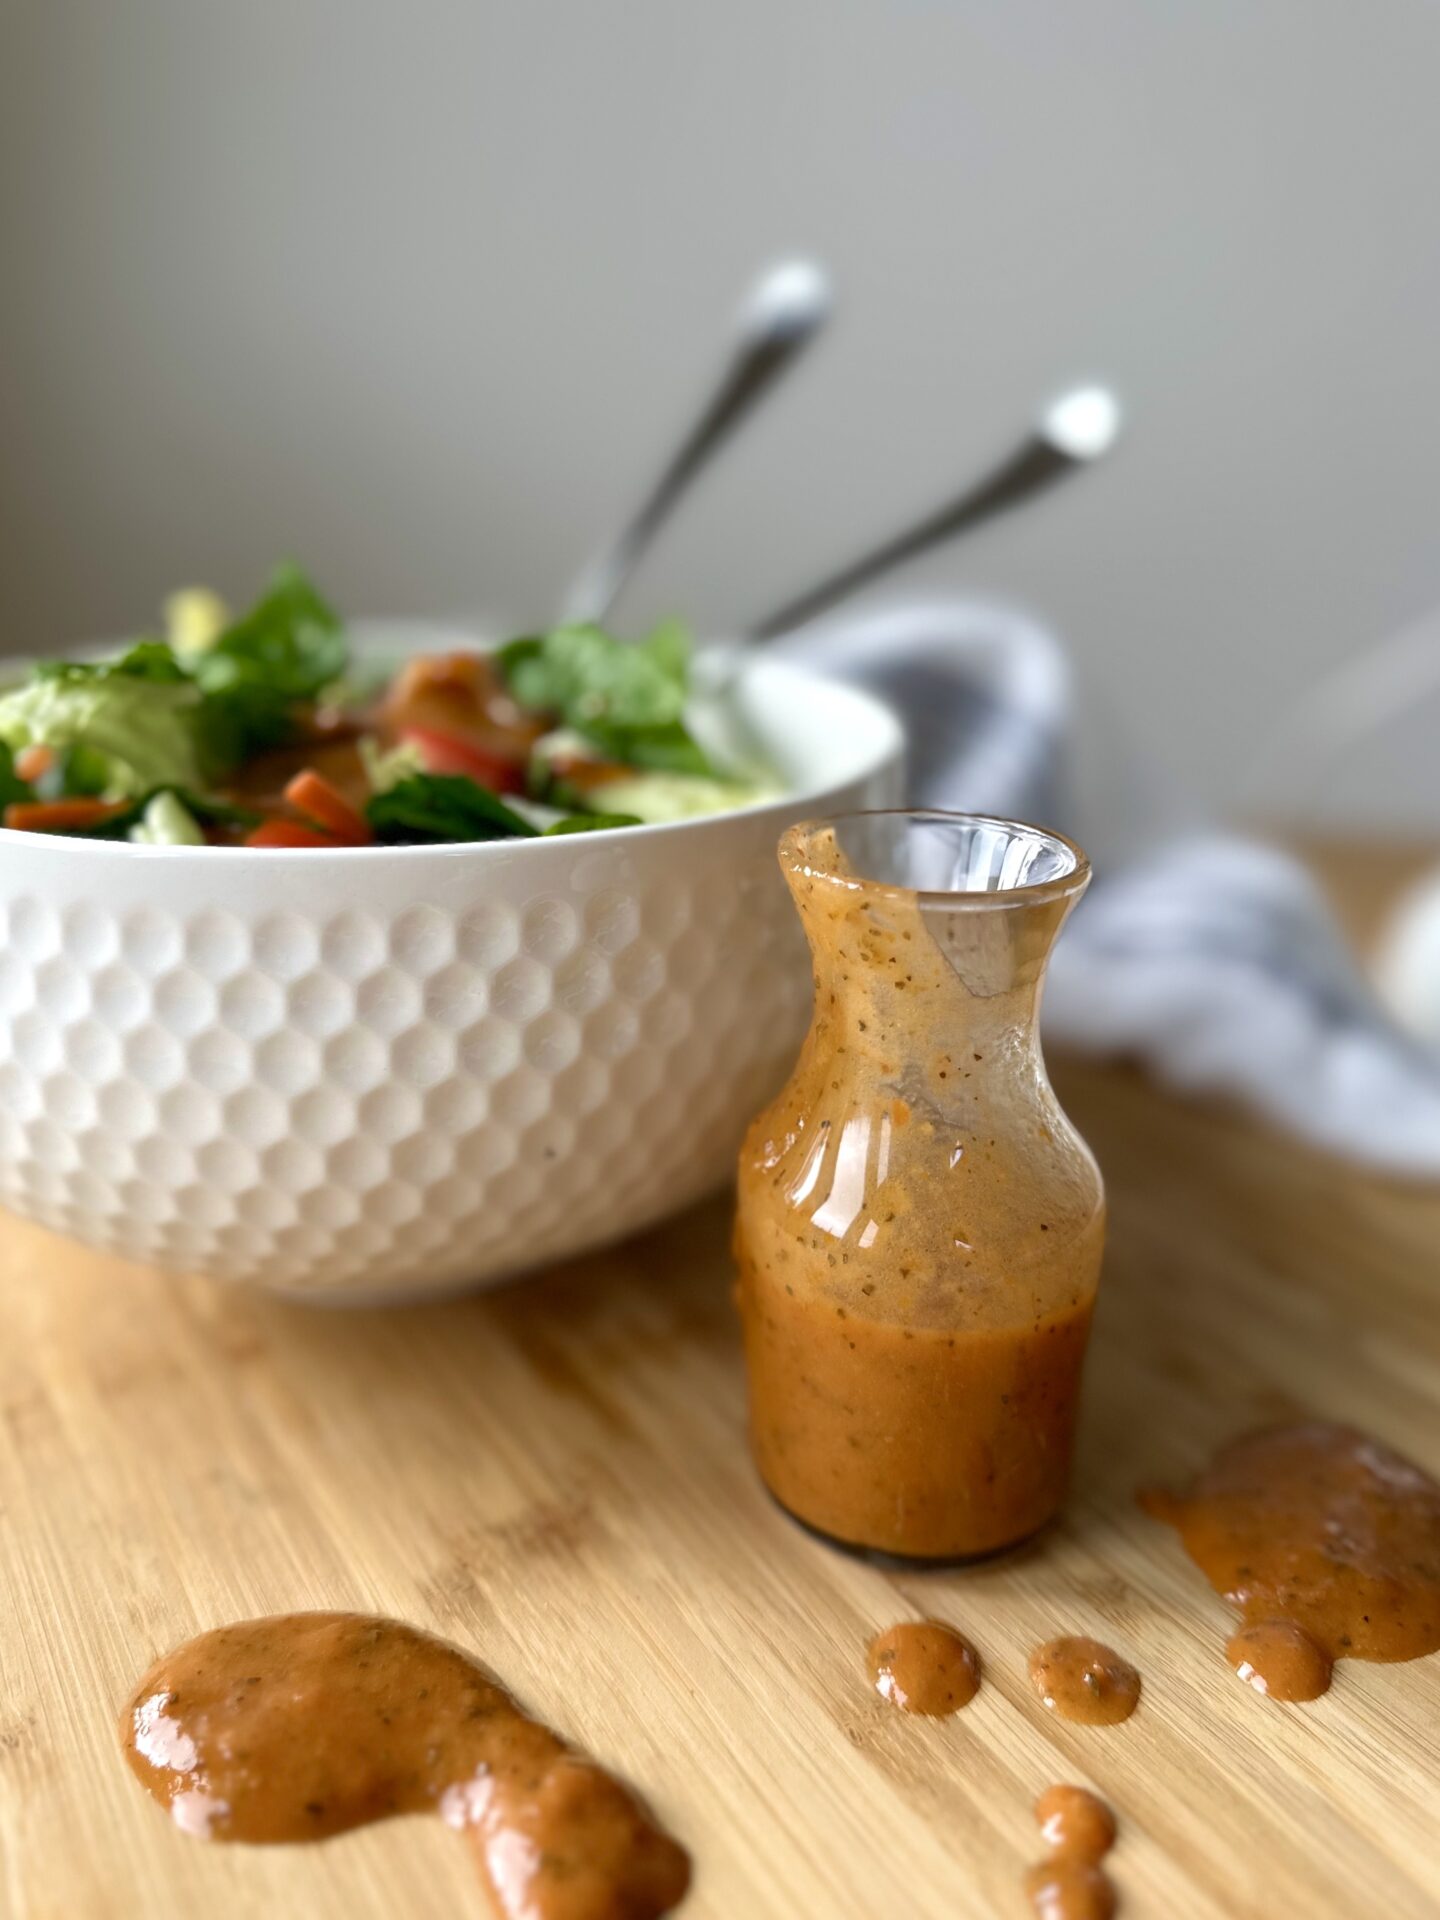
[(448, 753)]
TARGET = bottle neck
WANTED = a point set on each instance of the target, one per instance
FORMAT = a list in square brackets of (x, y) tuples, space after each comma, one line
[(897, 975)]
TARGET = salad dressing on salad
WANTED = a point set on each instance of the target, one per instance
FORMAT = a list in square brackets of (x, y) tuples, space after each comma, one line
[(260, 731), (304, 1725)]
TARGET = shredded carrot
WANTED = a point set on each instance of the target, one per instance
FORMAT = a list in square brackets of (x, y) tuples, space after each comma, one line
[(61, 816), (289, 833), (32, 762), (313, 795)]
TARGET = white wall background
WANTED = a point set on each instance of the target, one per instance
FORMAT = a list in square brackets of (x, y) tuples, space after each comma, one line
[(417, 292)]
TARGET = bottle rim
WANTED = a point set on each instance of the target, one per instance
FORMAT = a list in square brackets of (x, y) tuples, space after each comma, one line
[(797, 846)]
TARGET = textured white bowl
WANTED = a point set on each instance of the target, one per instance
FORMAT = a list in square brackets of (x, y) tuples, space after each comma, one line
[(383, 1073)]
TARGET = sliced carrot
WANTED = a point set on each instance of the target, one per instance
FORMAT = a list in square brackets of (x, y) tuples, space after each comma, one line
[(32, 762), (311, 794), (289, 833), (62, 816)]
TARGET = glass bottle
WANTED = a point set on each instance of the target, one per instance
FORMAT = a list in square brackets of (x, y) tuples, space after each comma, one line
[(920, 1227)]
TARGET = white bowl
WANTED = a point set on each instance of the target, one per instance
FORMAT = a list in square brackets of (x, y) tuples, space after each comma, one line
[(382, 1073)]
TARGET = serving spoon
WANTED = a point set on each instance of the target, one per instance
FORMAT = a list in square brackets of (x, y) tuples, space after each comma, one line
[(1075, 430), (783, 312)]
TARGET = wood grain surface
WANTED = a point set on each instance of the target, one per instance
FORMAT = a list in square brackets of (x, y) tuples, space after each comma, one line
[(556, 1478)]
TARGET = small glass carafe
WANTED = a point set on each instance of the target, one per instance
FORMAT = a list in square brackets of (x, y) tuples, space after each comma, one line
[(920, 1227)]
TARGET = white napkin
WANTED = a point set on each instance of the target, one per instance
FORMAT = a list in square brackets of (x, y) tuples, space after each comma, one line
[(1211, 959), (985, 692)]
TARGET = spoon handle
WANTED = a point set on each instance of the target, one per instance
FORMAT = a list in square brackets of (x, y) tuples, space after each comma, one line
[(786, 309), (1035, 465)]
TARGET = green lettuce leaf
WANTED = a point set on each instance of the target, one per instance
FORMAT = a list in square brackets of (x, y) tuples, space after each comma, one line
[(282, 654), (146, 719), (149, 661), (13, 790), (592, 822), (147, 722), (77, 773), (627, 699), (443, 806)]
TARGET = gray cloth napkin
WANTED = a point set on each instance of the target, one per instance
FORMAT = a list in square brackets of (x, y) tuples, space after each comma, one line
[(1211, 959)]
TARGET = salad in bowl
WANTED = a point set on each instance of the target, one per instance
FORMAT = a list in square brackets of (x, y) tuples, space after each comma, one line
[(265, 730), (314, 978)]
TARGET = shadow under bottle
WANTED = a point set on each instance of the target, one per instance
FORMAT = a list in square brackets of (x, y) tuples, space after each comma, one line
[(920, 1227)]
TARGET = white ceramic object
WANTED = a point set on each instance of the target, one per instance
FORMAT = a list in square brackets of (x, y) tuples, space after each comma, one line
[(383, 1073), (1407, 962)]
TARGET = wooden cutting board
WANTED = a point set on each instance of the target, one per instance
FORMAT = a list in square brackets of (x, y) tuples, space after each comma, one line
[(556, 1478)]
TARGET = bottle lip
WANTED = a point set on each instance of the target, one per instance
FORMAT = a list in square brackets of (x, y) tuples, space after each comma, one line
[(797, 841)]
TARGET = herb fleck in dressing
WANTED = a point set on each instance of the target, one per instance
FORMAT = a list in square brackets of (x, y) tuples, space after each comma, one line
[(307, 1724)]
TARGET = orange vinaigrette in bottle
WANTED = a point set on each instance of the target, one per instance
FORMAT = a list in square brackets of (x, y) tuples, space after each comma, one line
[(920, 1227)]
